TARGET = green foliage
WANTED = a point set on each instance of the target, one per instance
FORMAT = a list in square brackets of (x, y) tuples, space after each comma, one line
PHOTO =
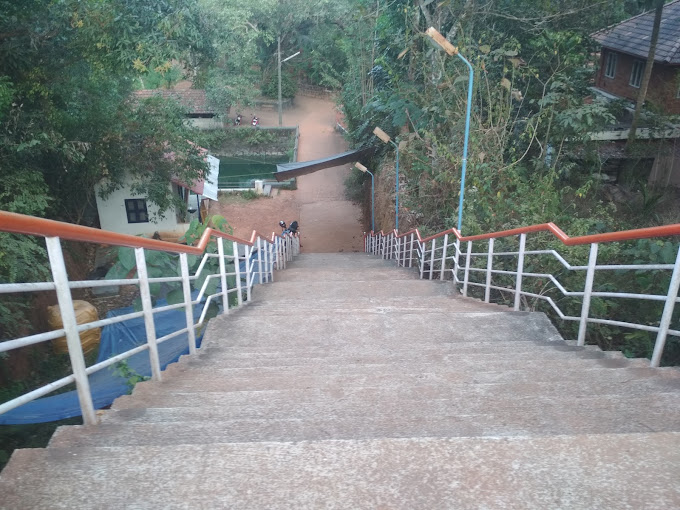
[(250, 194), (131, 376), (163, 265), (270, 88)]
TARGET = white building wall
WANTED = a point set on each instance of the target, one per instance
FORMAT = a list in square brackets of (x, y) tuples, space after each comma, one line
[(113, 217)]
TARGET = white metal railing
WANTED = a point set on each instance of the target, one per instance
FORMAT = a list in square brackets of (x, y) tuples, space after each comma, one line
[(441, 257), (253, 262)]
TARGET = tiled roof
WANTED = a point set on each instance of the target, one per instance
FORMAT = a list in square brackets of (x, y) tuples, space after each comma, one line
[(192, 99), (633, 35)]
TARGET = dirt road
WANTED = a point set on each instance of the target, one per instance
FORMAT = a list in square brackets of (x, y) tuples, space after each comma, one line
[(328, 222)]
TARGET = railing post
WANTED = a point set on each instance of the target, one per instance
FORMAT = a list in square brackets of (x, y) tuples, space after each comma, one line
[(237, 270), (223, 276), (147, 308), (587, 291), (422, 258), (248, 250), (446, 244), (489, 266), (260, 279), (188, 305), (672, 295), (68, 318), (410, 254), (520, 270), (434, 244), (466, 278), (272, 258), (456, 263), (398, 251)]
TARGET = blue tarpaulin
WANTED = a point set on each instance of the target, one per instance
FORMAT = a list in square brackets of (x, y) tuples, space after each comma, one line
[(107, 384)]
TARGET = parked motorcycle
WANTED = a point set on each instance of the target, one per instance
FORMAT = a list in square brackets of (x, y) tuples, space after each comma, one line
[(255, 121), (237, 120)]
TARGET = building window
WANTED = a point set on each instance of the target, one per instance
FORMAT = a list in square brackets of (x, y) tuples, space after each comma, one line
[(636, 73), (610, 64), (135, 208)]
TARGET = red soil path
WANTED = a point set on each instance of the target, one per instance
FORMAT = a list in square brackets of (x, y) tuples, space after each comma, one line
[(328, 222)]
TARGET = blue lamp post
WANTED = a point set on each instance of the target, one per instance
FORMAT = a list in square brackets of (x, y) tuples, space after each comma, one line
[(361, 167), (452, 50), (386, 139)]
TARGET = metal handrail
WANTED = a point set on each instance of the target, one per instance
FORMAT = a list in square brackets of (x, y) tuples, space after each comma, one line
[(271, 253), (432, 260)]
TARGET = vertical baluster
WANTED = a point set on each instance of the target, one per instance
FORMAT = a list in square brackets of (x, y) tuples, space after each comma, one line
[(434, 244), (456, 263), (249, 271), (422, 258), (467, 268), (272, 258), (667, 315), (223, 275), (410, 251), (265, 260), (489, 267), (444, 250), (147, 309), (587, 291), (237, 271), (70, 323), (188, 305), (260, 278), (520, 270)]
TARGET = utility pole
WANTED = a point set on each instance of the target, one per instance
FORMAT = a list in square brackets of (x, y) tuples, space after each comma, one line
[(280, 101)]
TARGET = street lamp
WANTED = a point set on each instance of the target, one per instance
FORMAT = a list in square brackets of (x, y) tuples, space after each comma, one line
[(281, 62), (386, 139), (452, 50), (361, 167)]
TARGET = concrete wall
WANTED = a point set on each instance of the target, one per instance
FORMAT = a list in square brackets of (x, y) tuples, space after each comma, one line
[(206, 123), (113, 217), (663, 85)]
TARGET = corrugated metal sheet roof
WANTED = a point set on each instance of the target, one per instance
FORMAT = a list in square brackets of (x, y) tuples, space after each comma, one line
[(633, 35)]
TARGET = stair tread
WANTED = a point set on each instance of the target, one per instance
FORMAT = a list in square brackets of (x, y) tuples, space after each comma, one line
[(623, 470)]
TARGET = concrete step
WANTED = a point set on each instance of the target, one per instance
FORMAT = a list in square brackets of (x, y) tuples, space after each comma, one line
[(600, 471), (592, 373), (305, 274), (247, 347), (394, 386), (344, 408), (314, 290), (468, 396), (339, 260), (443, 304), (600, 417), (491, 364), (388, 327)]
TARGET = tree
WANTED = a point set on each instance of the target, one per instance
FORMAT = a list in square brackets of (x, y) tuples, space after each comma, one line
[(642, 93)]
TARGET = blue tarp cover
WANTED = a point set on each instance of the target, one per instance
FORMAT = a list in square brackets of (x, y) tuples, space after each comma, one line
[(107, 385)]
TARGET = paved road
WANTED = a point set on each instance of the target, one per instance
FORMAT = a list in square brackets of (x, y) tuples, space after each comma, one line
[(328, 222)]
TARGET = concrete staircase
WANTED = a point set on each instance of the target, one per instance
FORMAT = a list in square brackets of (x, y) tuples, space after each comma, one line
[(349, 383)]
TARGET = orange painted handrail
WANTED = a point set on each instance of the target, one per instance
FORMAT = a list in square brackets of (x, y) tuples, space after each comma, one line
[(609, 237), (30, 225)]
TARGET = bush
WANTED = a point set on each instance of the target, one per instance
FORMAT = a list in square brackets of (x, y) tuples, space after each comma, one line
[(270, 88)]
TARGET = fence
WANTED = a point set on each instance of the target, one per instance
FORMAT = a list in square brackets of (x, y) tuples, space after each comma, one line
[(253, 261), (440, 257)]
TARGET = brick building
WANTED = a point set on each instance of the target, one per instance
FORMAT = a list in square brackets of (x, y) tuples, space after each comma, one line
[(624, 53)]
